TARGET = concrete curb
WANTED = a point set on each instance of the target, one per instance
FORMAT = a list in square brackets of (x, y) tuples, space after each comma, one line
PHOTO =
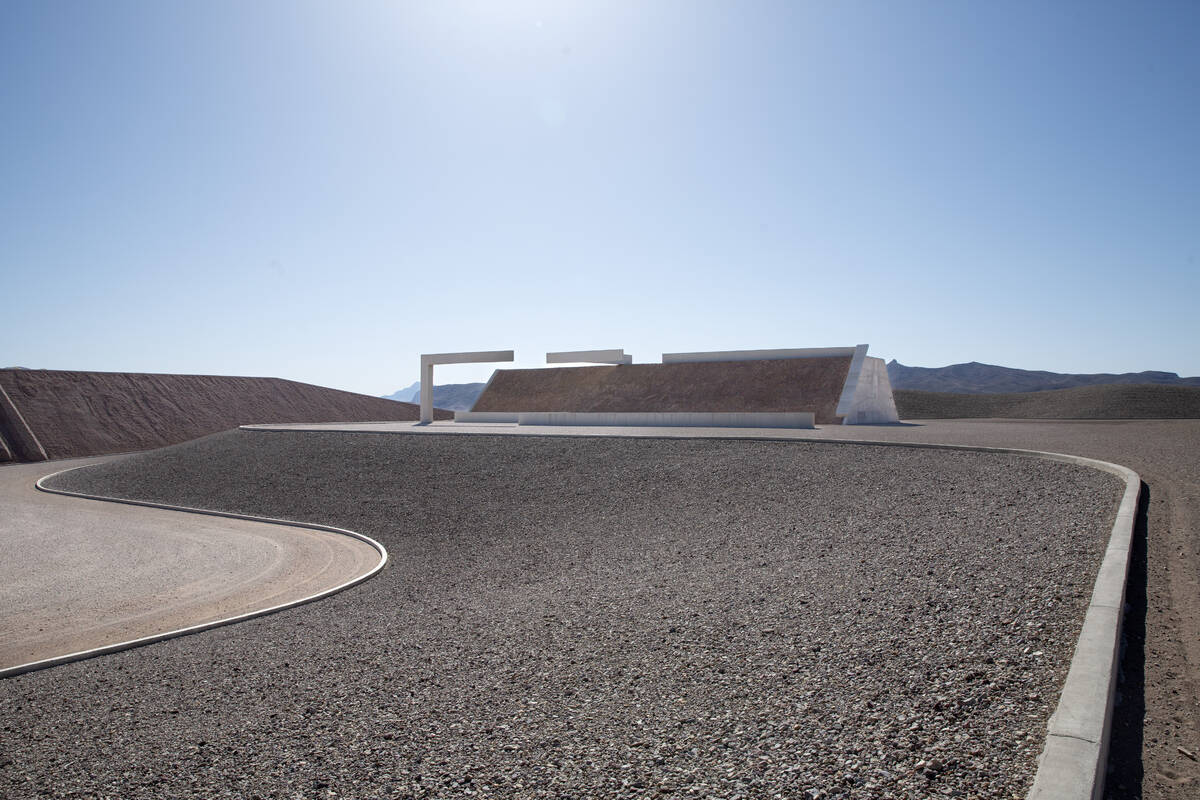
[(1074, 761), (204, 626)]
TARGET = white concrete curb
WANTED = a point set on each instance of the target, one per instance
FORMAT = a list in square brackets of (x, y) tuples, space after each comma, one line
[(204, 626)]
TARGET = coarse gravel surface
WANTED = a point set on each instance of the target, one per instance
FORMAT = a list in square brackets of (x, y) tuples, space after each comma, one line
[(598, 617)]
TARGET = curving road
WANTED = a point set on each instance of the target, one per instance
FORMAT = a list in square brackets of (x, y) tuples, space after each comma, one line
[(79, 574)]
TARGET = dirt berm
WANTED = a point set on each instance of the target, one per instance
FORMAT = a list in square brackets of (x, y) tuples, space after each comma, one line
[(783, 384), (1142, 401), (51, 414)]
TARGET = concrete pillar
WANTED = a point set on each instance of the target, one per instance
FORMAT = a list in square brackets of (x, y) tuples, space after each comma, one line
[(426, 392)]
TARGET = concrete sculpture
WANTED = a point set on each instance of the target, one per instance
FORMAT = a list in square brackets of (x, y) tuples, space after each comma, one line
[(428, 360), (617, 356), (829, 385)]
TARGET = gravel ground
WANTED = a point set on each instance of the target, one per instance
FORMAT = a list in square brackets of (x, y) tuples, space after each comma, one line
[(573, 617)]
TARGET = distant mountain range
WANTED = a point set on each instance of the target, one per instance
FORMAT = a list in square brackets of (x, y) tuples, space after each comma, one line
[(976, 378), (450, 396)]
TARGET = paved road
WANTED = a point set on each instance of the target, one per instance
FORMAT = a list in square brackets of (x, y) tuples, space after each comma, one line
[(1161, 711), (77, 574)]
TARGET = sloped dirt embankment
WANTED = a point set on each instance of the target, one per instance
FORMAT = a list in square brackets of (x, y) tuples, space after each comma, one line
[(51, 414)]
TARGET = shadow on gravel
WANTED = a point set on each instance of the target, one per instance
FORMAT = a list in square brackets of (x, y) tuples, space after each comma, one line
[(1125, 769)]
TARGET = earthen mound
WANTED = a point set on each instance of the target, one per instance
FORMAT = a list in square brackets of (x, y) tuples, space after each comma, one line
[(50, 414), (789, 384)]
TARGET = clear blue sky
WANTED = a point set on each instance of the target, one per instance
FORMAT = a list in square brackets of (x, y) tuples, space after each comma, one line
[(322, 191)]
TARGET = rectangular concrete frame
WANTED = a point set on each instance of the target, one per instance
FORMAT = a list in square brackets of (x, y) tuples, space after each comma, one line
[(788, 419), (428, 360), (616, 356)]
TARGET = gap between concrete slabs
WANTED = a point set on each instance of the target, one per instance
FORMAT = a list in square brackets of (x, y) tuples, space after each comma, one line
[(1074, 760), (204, 626)]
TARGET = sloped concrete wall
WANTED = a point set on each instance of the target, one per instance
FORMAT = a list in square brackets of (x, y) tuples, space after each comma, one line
[(871, 402)]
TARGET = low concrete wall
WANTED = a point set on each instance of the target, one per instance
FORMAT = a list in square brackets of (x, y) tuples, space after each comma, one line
[(781, 419), (485, 416)]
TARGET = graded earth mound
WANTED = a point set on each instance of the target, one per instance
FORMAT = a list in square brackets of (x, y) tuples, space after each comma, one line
[(786, 384), (1085, 402), (51, 414)]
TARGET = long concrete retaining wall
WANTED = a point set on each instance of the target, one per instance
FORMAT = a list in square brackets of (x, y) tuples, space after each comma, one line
[(657, 419), (486, 416), (782, 419)]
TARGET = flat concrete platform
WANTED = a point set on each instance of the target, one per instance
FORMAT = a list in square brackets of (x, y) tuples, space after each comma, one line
[(79, 574)]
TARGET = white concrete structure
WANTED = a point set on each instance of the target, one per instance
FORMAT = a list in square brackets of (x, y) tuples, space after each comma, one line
[(760, 355), (670, 419), (617, 356), (866, 397), (637, 419), (429, 359), (486, 416)]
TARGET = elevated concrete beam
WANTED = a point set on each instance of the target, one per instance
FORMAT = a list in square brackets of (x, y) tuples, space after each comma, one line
[(428, 360), (758, 355), (617, 356)]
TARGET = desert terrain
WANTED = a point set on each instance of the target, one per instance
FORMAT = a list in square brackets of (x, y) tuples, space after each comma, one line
[(54, 414), (599, 617)]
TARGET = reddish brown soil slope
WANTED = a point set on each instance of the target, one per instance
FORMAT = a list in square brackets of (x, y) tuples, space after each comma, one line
[(93, 413), (787, 384)]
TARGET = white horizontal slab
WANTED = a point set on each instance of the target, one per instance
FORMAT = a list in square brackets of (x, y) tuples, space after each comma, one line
[(479, 357), (757, 355), (589, 357)]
